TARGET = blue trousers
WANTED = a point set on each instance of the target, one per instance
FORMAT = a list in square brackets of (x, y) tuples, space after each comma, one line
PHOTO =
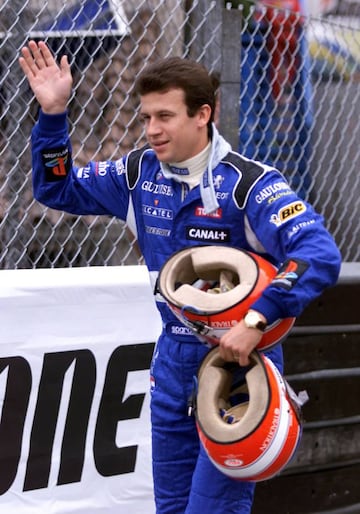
[(185, 481)]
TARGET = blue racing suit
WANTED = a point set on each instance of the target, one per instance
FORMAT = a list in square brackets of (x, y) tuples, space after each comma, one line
[(239, 203)]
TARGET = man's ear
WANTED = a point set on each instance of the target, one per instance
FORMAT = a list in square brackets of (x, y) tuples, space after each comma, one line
[(204, 115)]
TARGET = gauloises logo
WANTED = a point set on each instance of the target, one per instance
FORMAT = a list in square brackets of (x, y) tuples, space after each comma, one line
[(200, 212), (56, 163), (157, 189)]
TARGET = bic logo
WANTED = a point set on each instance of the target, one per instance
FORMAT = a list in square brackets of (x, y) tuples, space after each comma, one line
[(288, 212)]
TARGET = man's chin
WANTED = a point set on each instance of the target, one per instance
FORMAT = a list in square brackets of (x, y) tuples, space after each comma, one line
[(161, 155)]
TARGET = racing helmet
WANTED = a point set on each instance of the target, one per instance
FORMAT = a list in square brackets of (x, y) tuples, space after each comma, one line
[(211, 288), (249, 429)]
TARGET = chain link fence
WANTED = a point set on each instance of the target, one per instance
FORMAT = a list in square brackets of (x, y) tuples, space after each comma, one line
[(289, 95)]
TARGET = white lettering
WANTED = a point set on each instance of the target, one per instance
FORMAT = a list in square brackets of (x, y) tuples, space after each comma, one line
[(102, 168), (272, 430), (181, 331), (157, 212), (157, 189), (271, 190), (209, 234)]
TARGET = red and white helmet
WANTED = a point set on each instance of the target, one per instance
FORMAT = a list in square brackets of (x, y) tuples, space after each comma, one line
[(249, 433), (211, 288)]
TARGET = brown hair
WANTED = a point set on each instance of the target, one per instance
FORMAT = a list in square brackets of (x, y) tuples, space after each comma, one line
[(177, 73)]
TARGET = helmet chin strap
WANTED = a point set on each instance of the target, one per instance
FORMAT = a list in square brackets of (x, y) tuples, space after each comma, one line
[(198, 326)]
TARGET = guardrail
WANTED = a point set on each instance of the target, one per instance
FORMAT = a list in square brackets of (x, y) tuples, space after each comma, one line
[(322, 356)]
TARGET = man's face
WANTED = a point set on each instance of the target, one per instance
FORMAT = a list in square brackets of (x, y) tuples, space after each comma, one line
[(171, 133)]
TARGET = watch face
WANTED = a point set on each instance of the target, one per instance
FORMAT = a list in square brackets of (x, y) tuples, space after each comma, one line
[(253, 320)]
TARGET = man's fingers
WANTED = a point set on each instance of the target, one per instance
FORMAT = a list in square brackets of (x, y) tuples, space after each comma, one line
[(24, 65), (64, 64), (36, 56), (46, 55), (243, 361), (27, 62), (40, 54)]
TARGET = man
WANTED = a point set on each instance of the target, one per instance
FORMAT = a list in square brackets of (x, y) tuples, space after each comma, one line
[(185, 187)]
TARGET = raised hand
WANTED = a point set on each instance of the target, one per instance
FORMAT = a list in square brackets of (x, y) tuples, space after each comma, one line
[(51, 83)]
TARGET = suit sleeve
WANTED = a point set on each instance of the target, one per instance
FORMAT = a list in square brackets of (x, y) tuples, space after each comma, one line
[(295, 236), (97, 188)]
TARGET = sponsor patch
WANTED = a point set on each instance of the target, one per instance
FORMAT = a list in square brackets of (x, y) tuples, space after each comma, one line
[(217, 181), (221, 195), (276, 197), (289, 273), (101, 168), (200, 212), (157, 212), (179, 171), (295, 229), (179, 331), (56, 162), (272, 191), (288, 212), (157, 189), (84, 172), (157, 231), (119, 166), (220, 235)]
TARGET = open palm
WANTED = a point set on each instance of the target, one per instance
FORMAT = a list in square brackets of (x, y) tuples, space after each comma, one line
[(51, 83)]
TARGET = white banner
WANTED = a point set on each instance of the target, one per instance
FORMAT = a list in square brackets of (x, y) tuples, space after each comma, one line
[(75, 351)]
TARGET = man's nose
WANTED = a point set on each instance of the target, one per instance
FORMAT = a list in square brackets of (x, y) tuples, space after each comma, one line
[(153, 127)]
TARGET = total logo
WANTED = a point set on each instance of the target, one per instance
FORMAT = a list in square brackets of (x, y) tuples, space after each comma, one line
[(200, 212)]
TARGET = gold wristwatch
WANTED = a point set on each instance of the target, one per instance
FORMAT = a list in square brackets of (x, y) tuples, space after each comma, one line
[(253, 319)]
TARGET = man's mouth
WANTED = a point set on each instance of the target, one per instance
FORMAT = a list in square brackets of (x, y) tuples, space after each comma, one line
[(158, 145)]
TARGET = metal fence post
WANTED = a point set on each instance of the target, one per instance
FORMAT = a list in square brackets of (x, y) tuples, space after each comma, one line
[(230, 75), (204, 37)]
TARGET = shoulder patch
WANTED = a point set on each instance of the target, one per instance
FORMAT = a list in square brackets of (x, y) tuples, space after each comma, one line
[(289, 273), (250, 172), (56, 162), (133, 165)]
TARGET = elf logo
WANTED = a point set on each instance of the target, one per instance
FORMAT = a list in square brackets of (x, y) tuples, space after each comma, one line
[(288, 212)]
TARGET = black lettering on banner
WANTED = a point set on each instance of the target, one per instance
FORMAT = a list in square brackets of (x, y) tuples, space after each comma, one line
[(46, 415), (18, 388), (109, 458)]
